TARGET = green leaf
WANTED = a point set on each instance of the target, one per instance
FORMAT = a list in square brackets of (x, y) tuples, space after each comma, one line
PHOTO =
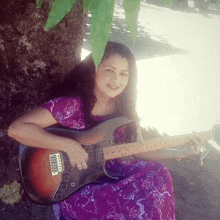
[(58, 10), (131, 8), (39, 3), (87, 4), (102, 15), (168, 2)]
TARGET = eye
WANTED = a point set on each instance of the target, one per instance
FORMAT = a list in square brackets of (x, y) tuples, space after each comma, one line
[(110, 70), (124, 74)]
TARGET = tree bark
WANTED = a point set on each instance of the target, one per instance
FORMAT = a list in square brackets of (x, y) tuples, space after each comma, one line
[(33, 59)]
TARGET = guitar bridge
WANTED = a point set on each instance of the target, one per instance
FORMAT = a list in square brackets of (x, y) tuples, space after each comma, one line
[(55, 164)]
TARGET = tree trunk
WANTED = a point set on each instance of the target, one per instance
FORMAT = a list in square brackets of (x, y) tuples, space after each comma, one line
[(33, 59)]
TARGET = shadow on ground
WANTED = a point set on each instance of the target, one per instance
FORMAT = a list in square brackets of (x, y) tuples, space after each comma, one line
[(189, 7), (196, 187), (145, 45)]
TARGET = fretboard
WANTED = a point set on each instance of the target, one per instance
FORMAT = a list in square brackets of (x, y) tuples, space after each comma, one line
[(155, 144)]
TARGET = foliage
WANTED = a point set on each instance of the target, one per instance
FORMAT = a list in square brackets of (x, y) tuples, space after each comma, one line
[(168, 2), (102, 15), (87, 4), (10, 193), (58, 10), (39, 3), (101, 26)]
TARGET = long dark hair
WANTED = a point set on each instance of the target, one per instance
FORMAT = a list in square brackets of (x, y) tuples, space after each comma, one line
[(81, 82)]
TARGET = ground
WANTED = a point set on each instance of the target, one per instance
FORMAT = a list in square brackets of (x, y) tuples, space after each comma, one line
[(196, 187)]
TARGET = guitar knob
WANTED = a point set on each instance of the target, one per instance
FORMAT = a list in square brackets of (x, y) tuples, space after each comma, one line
[(66, 177), (63, 185), (59, 196)]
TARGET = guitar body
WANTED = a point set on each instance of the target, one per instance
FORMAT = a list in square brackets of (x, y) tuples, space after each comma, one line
[(48, 176)]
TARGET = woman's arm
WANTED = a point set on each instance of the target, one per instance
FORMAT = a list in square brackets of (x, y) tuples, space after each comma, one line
[(29, 130)]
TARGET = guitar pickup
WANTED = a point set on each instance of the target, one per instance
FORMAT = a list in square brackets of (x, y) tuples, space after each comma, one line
[(55, 164)]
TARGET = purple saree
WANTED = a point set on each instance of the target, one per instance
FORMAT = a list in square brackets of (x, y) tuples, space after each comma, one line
[(145, 190)]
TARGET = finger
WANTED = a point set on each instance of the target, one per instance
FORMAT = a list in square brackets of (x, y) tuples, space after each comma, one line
[(79, 167), (84, 165), (84, 156), (196, 140), (195, 149)]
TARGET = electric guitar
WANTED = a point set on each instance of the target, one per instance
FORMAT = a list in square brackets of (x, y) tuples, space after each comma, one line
[(48, 176)]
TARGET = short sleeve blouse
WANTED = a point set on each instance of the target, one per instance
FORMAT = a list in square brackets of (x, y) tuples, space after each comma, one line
[(67, 111)]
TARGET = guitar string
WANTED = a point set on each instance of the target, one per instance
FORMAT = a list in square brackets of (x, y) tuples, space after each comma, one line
[(101, 149), (132, 143), (91, 159), (93, 151), (138, 143), (96, 157)]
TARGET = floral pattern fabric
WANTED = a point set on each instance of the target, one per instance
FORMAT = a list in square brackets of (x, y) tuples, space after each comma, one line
[(67, 111), (144, 190)]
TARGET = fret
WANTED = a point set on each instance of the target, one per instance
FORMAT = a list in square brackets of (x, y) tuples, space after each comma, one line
[(155, 144)]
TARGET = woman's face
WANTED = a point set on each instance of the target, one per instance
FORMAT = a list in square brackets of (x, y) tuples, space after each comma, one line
[(111, 77)]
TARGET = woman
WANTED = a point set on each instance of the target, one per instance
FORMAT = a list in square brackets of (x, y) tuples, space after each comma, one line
[(89, 96)]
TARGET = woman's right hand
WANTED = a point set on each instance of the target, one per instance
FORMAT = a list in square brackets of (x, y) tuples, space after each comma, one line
[(77, 155)]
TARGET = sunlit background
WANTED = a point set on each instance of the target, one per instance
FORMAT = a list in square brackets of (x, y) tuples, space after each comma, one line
[(172, 99), (179, 93)]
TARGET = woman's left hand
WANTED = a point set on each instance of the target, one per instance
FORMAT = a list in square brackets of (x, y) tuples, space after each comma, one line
[(196, 144)]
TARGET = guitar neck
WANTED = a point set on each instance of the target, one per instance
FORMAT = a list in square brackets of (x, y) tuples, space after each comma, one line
[(155, 144)]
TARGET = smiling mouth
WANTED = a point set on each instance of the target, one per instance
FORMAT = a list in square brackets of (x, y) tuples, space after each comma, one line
[(112, 87)]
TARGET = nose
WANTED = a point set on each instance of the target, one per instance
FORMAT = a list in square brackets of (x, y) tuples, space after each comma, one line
[(115, 76)]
